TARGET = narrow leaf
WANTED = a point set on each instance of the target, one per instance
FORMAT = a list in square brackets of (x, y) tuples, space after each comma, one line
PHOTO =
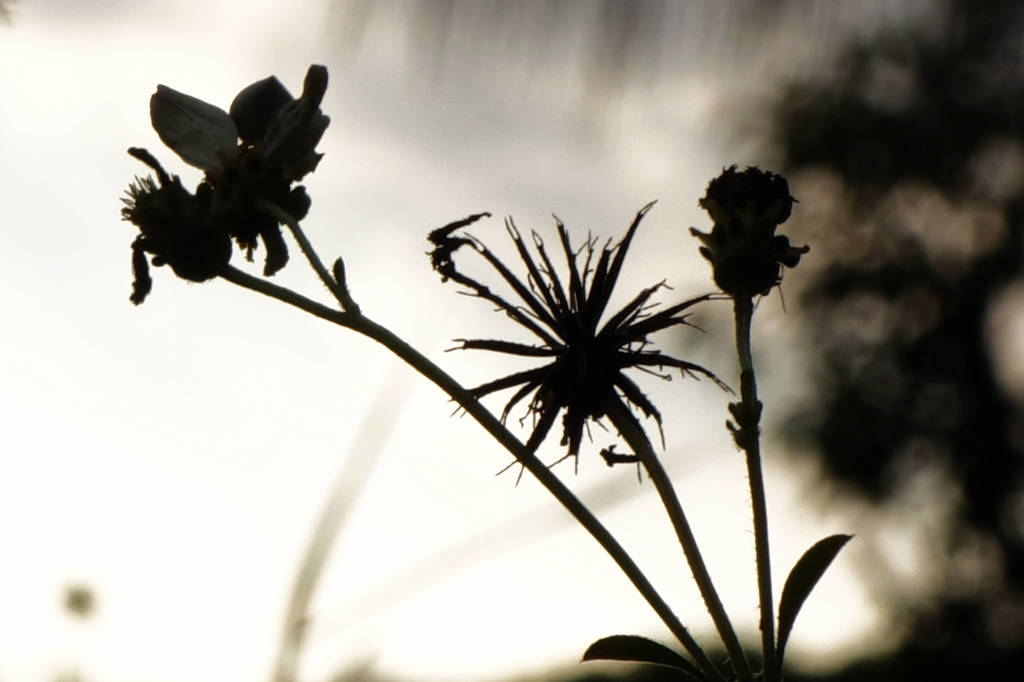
[(640, 650), (802, 579)]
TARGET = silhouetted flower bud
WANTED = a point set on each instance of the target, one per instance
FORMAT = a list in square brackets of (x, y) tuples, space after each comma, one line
[(251, 158), (279, 131), (298, 202), (745, 253), (176, 228)]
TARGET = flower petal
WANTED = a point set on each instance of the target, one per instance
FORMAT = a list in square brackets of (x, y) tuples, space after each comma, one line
[(296, 128), (255, 106), (203, 135)]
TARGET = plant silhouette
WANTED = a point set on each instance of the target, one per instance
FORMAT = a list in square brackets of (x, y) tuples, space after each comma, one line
[(252, 154)]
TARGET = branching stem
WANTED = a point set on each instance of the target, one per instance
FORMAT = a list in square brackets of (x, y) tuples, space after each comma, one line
[(337, 287), (632, 432), (363, 325)]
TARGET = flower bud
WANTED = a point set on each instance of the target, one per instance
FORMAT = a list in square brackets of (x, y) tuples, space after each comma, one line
[(745, 253), (175, 226)]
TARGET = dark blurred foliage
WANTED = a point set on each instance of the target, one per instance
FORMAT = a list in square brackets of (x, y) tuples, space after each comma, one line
[(919, 138)]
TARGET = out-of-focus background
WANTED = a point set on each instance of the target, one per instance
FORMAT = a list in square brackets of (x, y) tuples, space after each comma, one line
[(164, 469)]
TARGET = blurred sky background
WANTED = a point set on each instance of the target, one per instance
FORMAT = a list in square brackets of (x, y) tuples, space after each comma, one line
[(174, 458)]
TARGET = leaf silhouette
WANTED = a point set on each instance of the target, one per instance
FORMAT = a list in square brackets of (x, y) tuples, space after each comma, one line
[(802, 579), (640, 650)]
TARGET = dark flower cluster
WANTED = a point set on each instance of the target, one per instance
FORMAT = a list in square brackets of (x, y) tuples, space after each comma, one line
[(585, 373), (745, 253), (250, 157)]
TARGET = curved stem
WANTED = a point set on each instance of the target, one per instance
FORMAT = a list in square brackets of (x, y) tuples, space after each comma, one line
[(337, 286), (634, 435), (750, 441), (475, 409)]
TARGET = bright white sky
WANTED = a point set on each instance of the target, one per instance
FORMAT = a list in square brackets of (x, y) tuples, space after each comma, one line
[(175, 457)]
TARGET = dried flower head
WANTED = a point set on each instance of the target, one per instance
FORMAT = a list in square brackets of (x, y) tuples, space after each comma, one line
[(250, 159), (745, 253), (588, 359), (175, 226)]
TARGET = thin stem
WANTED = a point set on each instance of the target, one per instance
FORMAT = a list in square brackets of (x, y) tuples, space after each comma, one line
[(475, 409), (750, 441), (634, 435), (337, 287)]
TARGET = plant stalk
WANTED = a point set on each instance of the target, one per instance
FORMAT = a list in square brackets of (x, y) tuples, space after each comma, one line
[(363, 325), (337, 287), (743, 309), (634, 435)]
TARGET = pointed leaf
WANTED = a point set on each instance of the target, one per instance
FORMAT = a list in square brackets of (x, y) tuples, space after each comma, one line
[(802, 579), (203, 135), (638, 649)]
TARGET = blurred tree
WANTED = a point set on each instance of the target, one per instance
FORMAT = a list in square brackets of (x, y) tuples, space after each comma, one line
[(917, 143)]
